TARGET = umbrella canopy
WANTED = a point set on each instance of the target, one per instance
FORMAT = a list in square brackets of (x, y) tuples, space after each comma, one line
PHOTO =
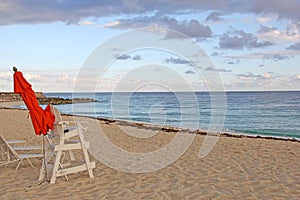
[(42, 120)]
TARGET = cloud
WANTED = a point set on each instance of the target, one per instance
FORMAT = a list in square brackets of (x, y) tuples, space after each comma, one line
[(65, 78), (238, 39), (72, 12), (249, 75), (264, 81), (214, 17), (192, 28), (7, 76), (289, 9), (45, 80), (137, 57), (135, 22), (127, 57), (211, 68), (34, 77), (296, 77), (86, 23), (275, 56), (263, 20), (189, 72), (266, 29), (233, 62), (295, 47), (177, 61), (215, 54), (123, 57), (267, 32)]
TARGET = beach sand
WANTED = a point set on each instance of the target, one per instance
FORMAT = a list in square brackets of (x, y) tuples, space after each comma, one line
[(236, 168)]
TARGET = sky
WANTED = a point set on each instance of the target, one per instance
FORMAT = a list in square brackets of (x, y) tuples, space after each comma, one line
[(252, 44)]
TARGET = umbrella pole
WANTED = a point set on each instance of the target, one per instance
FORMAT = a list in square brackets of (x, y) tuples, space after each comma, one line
[(44, 165)]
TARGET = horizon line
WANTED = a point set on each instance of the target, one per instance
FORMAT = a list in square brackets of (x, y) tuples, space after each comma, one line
[(290, 90)]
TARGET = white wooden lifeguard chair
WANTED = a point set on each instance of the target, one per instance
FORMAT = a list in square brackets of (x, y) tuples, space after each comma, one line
[(70, 138)]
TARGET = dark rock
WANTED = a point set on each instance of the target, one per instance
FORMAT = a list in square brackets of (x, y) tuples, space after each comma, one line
[(57, 100)]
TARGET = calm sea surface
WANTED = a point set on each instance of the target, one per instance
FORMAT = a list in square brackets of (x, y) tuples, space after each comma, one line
[(258, 113)]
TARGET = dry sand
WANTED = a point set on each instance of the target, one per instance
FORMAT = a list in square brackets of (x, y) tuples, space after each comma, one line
[(236, 168)]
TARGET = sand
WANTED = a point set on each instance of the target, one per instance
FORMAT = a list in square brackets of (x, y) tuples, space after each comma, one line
[(236, 168)]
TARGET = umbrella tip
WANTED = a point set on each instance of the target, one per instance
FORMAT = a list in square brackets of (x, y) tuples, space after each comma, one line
[(15, 69)]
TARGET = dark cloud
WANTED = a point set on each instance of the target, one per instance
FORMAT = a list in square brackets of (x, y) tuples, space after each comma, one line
[(215, 54), (177, 61), (211, 68), (68, 11), (137, 57), (191, 28), (261, 65), (238, 39), (233, 62), (214, 17), (275, 57), (266, 29), (189, 72), (288, 9), (123, 57), (127, 57), (295, 47)]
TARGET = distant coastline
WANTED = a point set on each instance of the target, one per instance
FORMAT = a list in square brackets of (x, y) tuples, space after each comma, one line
[(10, 96)]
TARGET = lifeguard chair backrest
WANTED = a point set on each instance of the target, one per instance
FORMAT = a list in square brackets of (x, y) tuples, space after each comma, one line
[(57, 125), (56, 113)]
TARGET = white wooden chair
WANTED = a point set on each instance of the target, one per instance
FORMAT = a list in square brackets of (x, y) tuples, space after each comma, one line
[(65, 138), (10, 154)]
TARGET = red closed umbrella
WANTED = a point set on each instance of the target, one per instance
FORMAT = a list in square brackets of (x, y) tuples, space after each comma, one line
[(42, 120)]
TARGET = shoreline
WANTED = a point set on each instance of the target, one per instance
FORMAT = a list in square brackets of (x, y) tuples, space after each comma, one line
[(149, 126), (11, 104)]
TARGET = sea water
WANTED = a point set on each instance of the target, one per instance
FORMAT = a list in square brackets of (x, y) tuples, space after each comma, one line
[(259, 113)]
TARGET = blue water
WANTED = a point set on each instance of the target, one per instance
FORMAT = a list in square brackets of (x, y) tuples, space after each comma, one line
[(258, 113)]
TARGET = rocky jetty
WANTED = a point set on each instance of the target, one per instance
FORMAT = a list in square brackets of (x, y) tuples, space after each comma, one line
[(57, 100), (9, 96)]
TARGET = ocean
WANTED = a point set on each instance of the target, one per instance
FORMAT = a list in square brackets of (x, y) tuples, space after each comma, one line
[(271, 113)]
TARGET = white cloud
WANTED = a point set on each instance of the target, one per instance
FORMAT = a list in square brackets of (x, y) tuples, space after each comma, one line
[(296, 77), (291, 34), (263, 20), (113, 24), (34, 77), (267, 75), (211, 68), (8, 76), (264, 81), (65, 78), (84, 22)]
